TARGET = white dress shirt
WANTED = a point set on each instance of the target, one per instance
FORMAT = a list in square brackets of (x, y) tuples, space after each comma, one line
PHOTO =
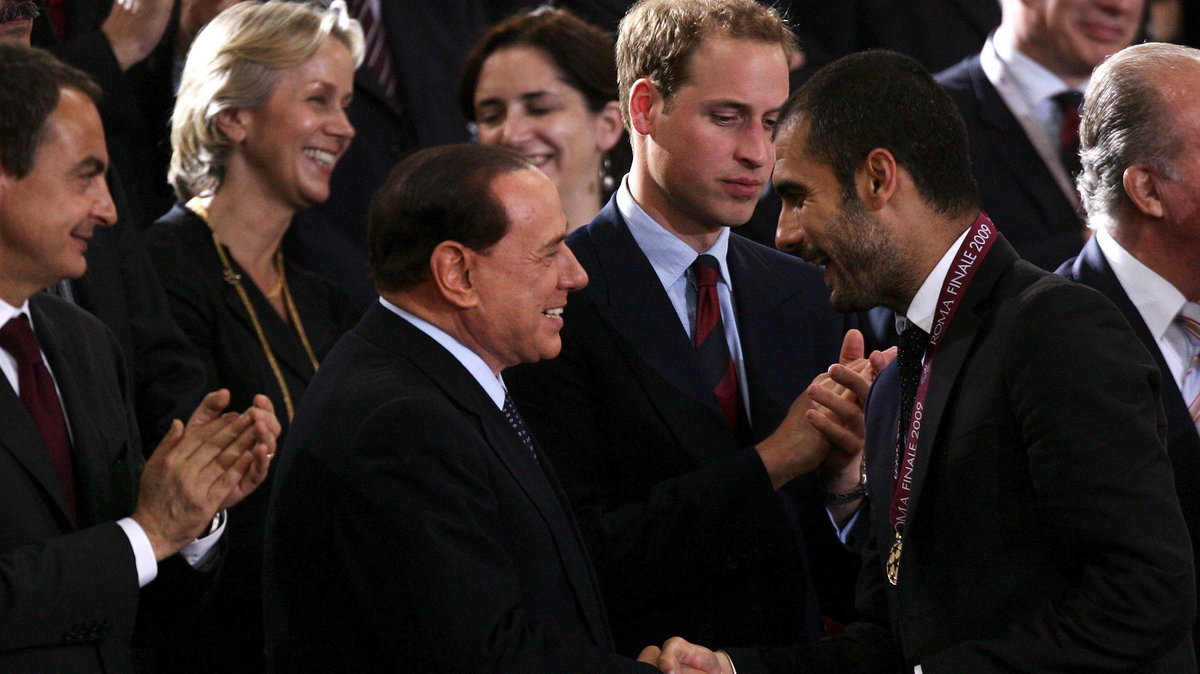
[(1156, 300)]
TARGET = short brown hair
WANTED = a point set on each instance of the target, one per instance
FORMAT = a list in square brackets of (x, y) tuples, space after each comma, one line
[(438, 194), (30, 82), (658, 37)]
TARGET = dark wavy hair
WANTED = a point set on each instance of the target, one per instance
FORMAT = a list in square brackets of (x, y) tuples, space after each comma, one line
[(582, 53)]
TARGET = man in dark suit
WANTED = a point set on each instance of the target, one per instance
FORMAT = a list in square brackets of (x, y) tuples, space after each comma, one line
[(425, 45), (120, 287), (1020, 99), (442, 539), (1139, 185), (1023, 515), (70, 455), (654, 444)]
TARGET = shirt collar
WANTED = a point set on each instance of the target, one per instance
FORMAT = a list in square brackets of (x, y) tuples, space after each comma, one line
[(1035, 81), (668, 255), (924, 303), (1156, 299), (8, 311), (492, 384)]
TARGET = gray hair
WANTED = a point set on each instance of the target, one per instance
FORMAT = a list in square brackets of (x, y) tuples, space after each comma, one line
[(1126, 122), (235, 63)]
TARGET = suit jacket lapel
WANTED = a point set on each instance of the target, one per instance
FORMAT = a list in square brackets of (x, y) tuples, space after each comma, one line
[(757, 299), (628, 296), (381, 327), (1017, 153), (948, 362), (21, 439), (89, 439)]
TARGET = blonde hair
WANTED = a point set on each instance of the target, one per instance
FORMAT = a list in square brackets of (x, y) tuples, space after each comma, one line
[(235, 63)]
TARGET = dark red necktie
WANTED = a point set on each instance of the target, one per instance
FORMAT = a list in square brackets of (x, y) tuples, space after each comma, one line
[(41, 399), (58, 17), (1069, 102), (709, 338)]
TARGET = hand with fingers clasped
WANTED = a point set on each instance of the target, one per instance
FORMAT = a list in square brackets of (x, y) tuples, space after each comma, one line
[(679, 656), (824, 426), (211, 463)]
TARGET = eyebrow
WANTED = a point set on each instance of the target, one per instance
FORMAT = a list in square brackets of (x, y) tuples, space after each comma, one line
[(790, 189), (91, 166), (554, 243), (527, 97), (744, 108)]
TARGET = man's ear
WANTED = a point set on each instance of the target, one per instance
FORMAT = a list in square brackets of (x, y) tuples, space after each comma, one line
[(876, 180), (645, 104), (452, 266), (608, 126), (1141, 185), (231, 122)]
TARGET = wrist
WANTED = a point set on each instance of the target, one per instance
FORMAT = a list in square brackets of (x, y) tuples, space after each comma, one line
[(846, 486)]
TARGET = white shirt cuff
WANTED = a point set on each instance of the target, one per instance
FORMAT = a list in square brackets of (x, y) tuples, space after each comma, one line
[(143, 552), (198, 551)]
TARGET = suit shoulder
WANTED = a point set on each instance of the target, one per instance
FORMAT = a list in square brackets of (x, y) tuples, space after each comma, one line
[(69, 319), (959, 75)]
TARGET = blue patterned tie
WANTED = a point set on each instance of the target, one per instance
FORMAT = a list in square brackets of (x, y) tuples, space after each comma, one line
[(518, 425)]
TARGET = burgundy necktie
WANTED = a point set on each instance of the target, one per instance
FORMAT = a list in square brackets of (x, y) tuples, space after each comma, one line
[(41, 399), (1069, 102), (709, 338), (377, 56)]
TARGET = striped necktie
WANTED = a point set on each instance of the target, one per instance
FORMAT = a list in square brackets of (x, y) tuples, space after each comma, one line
[(1189, 320), (375, 47)]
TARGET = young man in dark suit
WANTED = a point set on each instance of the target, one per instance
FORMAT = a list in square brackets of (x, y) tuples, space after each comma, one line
[(665, 423), (415, 525), (72, 557), (1023, 513), (1020, 99), (1139, 185)]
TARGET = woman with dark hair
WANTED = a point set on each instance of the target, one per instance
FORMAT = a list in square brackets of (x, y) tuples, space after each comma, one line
[(544, 83)]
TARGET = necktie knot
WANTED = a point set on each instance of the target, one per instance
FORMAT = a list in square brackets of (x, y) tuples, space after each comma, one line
[(17, 338), (706, 271), (1189, 320), (1069, 101)]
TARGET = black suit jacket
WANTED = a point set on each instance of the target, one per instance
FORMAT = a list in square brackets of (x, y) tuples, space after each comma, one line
[(69, 590), (938, 33), (410, 530), (688, 535), (1183, 442), (1044, 533), (428, 42), (1016, 187)]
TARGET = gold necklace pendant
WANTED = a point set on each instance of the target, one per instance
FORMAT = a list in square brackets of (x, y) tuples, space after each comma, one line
[(893, 561)]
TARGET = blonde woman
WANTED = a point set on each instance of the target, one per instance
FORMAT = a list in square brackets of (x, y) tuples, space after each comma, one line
[(258, 126)]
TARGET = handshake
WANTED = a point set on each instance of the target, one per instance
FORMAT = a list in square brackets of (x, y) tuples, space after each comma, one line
[(679, 656)]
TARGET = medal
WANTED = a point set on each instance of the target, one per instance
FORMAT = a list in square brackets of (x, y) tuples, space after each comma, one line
[(893, 561)]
